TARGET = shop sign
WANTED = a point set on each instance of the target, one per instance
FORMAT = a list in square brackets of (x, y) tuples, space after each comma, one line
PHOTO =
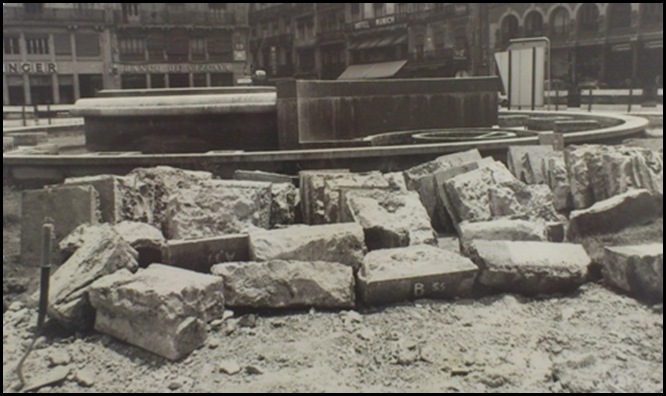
[(166, 68), (29, 68)]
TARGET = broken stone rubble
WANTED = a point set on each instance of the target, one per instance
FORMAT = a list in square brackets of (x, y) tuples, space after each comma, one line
[(422, 179), (405, 274), (599, 172), (503, 229), (530, 268), (102, 254), (65, 207), (633, 208), (342, 243), (389, 219), (312, 185), (332, 191), (492, 191), (161, 309), (218, 207), (147, 240), (287, 284), (638, 270)]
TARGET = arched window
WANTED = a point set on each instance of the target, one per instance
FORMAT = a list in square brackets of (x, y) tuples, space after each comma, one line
[(509, 28), (619, 15), (652, 13), (588, 18), (533, 24), (559, 22)]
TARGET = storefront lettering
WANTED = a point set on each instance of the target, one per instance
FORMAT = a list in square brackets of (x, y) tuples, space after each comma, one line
[(176, 68), (29, 68)]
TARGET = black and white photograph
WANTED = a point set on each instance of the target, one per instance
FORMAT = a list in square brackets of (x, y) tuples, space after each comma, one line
[(333, 198)]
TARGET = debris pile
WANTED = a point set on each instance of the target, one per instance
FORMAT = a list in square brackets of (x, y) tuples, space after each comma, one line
[(365, 238)]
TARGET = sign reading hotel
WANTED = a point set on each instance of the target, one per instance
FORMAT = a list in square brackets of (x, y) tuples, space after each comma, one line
[(176, 68), (29, 68)]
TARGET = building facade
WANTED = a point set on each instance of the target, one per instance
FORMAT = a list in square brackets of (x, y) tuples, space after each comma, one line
[(324, 40), (59, 52), (54, 52), (609, 45)]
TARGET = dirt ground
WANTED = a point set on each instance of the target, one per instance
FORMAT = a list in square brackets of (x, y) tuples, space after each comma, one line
[(593, 340)]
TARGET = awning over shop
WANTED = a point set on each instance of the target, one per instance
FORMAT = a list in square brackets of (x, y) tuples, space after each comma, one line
[(372, 70), (378, 42)]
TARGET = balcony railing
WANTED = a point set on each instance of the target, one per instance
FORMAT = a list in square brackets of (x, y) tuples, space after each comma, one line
[(170, 17), (55, 15)]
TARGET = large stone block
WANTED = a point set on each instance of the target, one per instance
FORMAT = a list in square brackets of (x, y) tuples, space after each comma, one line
[(558, 180), (287, 284), (389, 219), (333, 187), (147, 240), (504, 229), (147, 192), (530, 267), (533, 165), (422, 180), (600, 172), (102, 253), (312, 185), (633, 208), (446, 213), (285, 202), (337, 243), (162, 309), (521, 162), (404, 274), (492, 191), (65, 207), (638, 270), (218, 207), (201, 254), (110, 190)]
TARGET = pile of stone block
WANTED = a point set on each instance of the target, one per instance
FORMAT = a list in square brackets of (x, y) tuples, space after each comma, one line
[(150, 258)]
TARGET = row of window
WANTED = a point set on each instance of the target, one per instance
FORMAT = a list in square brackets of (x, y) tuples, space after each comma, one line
[(87, 45), (178, 46), (619, 17)]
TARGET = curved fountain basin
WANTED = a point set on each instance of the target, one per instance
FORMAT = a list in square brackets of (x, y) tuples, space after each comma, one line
[(187, 120), (38, 170)]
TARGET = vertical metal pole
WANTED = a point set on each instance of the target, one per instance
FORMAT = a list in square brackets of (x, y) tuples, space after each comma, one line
[(557, 100), (534, 74), (508, 93), (48, 112), (47, 240), (589, 101), (23, 115)]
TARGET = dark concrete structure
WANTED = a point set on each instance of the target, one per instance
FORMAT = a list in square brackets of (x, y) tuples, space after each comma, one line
[(181, 121), (346, 110)]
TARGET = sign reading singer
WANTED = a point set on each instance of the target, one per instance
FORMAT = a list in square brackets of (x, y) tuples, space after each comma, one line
[(29, 68)]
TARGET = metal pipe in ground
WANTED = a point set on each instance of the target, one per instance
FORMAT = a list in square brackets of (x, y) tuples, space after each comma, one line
[(46, 260)]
